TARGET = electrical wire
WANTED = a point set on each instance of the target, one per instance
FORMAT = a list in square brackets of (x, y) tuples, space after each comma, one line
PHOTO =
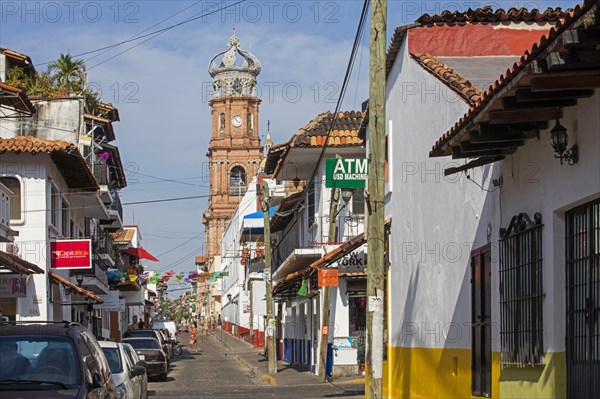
[(151, 33), (349, 68)]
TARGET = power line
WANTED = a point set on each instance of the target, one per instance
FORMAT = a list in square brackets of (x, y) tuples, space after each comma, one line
[(151, 33), (166, 200)]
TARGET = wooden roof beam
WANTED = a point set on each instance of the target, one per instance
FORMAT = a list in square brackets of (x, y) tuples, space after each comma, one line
[(458, 154), (513, 103), (526, 115), (581, 37), (526, 95), (473, 164), (566, 81), (511, 128)]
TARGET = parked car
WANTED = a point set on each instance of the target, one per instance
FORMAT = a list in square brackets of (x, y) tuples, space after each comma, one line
[(52, 360), (165, 344), (169, 325), (126, 375), (150, 350), (135, 359)]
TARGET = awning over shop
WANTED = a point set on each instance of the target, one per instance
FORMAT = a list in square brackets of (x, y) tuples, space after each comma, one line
[(75, 287), (18, 265), (140, 253), (255, 221), (294, 279), (286, 211), (289, 284)]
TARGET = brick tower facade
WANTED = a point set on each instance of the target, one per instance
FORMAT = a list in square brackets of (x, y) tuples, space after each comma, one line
[(234, 151)]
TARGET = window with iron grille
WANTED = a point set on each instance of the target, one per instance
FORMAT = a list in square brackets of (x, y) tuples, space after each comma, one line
[(521, 292)]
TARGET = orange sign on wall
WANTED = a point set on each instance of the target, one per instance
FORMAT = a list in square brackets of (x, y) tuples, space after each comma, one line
[(328, 278)]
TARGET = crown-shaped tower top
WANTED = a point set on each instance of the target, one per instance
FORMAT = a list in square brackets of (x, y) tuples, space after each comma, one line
[(233, 76)]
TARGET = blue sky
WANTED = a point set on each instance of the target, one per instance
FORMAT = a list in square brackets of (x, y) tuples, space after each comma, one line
[(160, 84)]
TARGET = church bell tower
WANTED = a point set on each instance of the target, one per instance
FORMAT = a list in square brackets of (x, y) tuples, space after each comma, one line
[(234, 152)]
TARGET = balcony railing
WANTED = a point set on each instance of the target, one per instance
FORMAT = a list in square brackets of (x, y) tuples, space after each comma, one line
[(237, 190), (285, 247), (102, 173)]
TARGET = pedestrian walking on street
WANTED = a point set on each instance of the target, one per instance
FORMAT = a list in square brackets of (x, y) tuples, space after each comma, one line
[(193, 337), (219, 322)]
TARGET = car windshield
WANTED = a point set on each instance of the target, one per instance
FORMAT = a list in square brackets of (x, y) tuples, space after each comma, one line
[(143, 343), (39, 358), (114, 360)]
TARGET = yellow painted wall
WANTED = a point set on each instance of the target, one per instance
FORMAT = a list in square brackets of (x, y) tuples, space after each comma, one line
[(446, 373), (548, 381), (433, 373)]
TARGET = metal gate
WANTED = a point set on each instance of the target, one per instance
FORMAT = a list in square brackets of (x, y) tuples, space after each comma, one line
[(583, 301)]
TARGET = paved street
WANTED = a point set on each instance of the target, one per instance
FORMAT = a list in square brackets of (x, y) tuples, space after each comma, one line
[(215, 373)]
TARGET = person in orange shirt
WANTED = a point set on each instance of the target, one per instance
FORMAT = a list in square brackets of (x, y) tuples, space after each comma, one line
[(193, 338)]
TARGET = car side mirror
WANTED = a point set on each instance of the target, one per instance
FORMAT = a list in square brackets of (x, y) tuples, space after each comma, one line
[(97, 380), (136, 371), (142, 363)]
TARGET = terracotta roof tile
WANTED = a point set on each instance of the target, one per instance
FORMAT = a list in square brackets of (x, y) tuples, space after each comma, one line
[(344, 130), (35, 145), (572, 16), (488, 15), (65, 155), (448, 76)]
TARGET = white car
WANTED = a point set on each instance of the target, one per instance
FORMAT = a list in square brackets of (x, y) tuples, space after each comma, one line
[(127, 377), (168, 325)]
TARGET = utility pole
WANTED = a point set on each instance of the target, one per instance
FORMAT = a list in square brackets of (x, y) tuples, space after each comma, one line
[(335, 198), (270, 330), (376, 215)]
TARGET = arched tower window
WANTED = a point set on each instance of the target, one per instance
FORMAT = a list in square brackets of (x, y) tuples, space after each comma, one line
[(222, 124), (250, 124), (237, 181)]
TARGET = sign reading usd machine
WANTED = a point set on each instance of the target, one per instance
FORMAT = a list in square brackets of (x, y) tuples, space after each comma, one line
[(71, 254), (346, 172)]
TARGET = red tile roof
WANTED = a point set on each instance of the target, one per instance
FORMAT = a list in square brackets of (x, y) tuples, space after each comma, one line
[(344, 131), (69, 161), (572, 17), (479, 15), (488, 15), (449, 77)]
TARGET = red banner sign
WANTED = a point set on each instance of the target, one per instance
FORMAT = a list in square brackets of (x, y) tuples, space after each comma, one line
[(71, 254)]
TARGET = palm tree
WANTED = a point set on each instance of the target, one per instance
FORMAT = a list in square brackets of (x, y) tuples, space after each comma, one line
[(69, 73)]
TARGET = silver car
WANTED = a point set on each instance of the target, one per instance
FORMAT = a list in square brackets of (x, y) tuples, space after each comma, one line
[(128, 377)]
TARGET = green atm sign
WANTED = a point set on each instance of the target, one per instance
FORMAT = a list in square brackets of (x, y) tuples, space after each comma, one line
[(345, 172)]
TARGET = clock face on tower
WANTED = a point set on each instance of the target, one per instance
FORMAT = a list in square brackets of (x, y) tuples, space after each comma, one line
[(236, 121)]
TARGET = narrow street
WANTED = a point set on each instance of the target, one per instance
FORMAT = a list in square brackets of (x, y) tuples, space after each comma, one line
[(214, 373)]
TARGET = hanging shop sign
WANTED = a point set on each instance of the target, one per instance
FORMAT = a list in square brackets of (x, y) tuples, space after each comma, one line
[(346, 172), (328, 277), (354, 262), (13, 286), (71, 254)]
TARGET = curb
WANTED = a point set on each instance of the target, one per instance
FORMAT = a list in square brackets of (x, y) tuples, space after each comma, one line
[(265, 377)]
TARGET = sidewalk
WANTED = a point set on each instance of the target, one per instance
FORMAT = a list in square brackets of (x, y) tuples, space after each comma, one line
[(253, 359)]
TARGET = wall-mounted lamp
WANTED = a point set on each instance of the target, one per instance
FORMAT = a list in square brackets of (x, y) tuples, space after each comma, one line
[(79, 277), (229, 299), (296, 181), (347, 194), (560, 141)]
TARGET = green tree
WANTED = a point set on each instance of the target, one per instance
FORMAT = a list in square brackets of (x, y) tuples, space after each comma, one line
[(68, 73)]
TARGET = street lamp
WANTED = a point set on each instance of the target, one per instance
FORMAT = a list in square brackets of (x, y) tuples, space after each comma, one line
[(560, 140)]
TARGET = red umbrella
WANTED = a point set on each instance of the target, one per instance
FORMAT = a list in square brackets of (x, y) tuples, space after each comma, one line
[(140, 253)]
